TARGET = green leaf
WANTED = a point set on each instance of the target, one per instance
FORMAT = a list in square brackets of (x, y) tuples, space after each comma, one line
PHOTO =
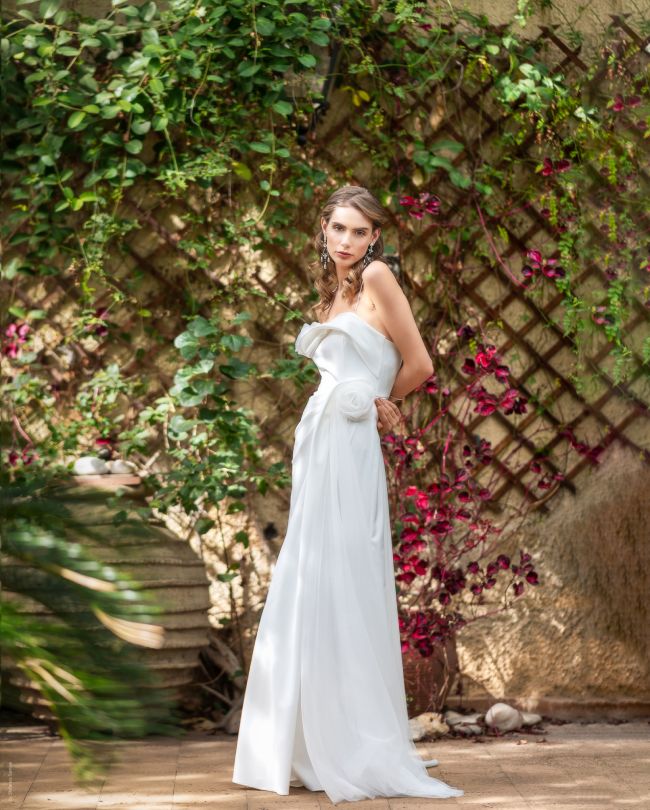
[(283, 107), (150, 37), (48, 8), (76, 118), (148, 11), (258, 146), (459, 179), (448, 146), (442, 162), (307, 59), (319, 38), (110, 111), (201, 327), (179, 424), (11, 268), (264, 26), (242, 170), (322, 23), (248, 68), (235, 369), (141, 127), (203, 525), (188, 345)]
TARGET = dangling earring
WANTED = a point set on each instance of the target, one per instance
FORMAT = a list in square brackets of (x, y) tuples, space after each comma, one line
[(324, 256), (368, 257)]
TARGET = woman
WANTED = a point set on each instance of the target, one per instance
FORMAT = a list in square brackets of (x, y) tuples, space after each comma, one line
[(325, 705)]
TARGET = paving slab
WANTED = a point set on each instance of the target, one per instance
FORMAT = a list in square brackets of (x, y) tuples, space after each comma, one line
[(570, 767)]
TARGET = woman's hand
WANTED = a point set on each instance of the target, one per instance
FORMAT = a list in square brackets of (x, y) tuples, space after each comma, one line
[(388, 415)]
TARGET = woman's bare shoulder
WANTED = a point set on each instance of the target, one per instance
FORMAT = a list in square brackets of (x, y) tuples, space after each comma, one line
[(377, 270)]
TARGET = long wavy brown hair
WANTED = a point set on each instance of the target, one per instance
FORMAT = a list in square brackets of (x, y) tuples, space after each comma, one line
[(326, 280)]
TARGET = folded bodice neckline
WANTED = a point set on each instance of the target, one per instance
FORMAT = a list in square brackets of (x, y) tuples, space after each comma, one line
[(359, 318)]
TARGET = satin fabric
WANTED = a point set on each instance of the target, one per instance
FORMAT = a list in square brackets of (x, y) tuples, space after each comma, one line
[(325, 704)]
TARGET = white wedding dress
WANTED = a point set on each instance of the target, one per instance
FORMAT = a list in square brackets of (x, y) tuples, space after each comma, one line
[(325, 704)]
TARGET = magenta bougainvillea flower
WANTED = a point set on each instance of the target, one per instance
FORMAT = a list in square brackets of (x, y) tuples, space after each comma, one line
[(25, 457), (425, 203), (619, 103), (465, 332), (16, 334), (582, 448), (18, 331), (484, 362), (537, 265), (601, 316), (550, 167)]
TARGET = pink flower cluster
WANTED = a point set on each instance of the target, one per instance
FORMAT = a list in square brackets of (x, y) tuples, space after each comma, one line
[(546, 477), (16, 334), (485, 363), (582, 448), (25, 457), (550, 167), (547, 267), (620, 103), (424, 203), (424, 629)]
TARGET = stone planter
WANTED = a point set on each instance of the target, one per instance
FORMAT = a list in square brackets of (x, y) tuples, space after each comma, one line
[(427, 680), (166, 568)]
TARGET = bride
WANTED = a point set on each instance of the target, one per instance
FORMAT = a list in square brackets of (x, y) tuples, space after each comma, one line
[(325, 704)]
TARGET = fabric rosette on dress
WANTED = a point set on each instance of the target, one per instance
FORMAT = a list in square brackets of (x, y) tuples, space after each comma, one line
[(354, 399)]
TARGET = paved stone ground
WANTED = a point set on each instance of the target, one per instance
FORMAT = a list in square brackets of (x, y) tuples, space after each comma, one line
[(570, 767)]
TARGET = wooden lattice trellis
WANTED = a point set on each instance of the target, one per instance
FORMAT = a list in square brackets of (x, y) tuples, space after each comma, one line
[(615, 412), (620, 410)]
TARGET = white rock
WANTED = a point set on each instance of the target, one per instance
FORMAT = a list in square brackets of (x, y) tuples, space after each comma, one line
[(89, 465), (529, 719), (121, 467), (453, 718), (427, 724), (469, 729), (504, 717)]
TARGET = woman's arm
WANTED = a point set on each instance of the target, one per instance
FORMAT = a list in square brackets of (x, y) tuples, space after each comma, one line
[(395, 313)]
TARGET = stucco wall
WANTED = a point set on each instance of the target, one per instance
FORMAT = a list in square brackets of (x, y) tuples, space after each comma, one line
[(580, 642)]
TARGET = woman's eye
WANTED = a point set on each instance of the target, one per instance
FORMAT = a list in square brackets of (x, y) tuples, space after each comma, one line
[(338, 228)]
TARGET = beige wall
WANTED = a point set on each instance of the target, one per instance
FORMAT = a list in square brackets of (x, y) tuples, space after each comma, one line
[(580, 642)]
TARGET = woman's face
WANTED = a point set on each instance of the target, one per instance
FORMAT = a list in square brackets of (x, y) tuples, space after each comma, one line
[(348, 234)]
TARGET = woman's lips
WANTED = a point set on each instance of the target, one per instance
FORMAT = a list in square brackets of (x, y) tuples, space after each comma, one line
[(342, 253)]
